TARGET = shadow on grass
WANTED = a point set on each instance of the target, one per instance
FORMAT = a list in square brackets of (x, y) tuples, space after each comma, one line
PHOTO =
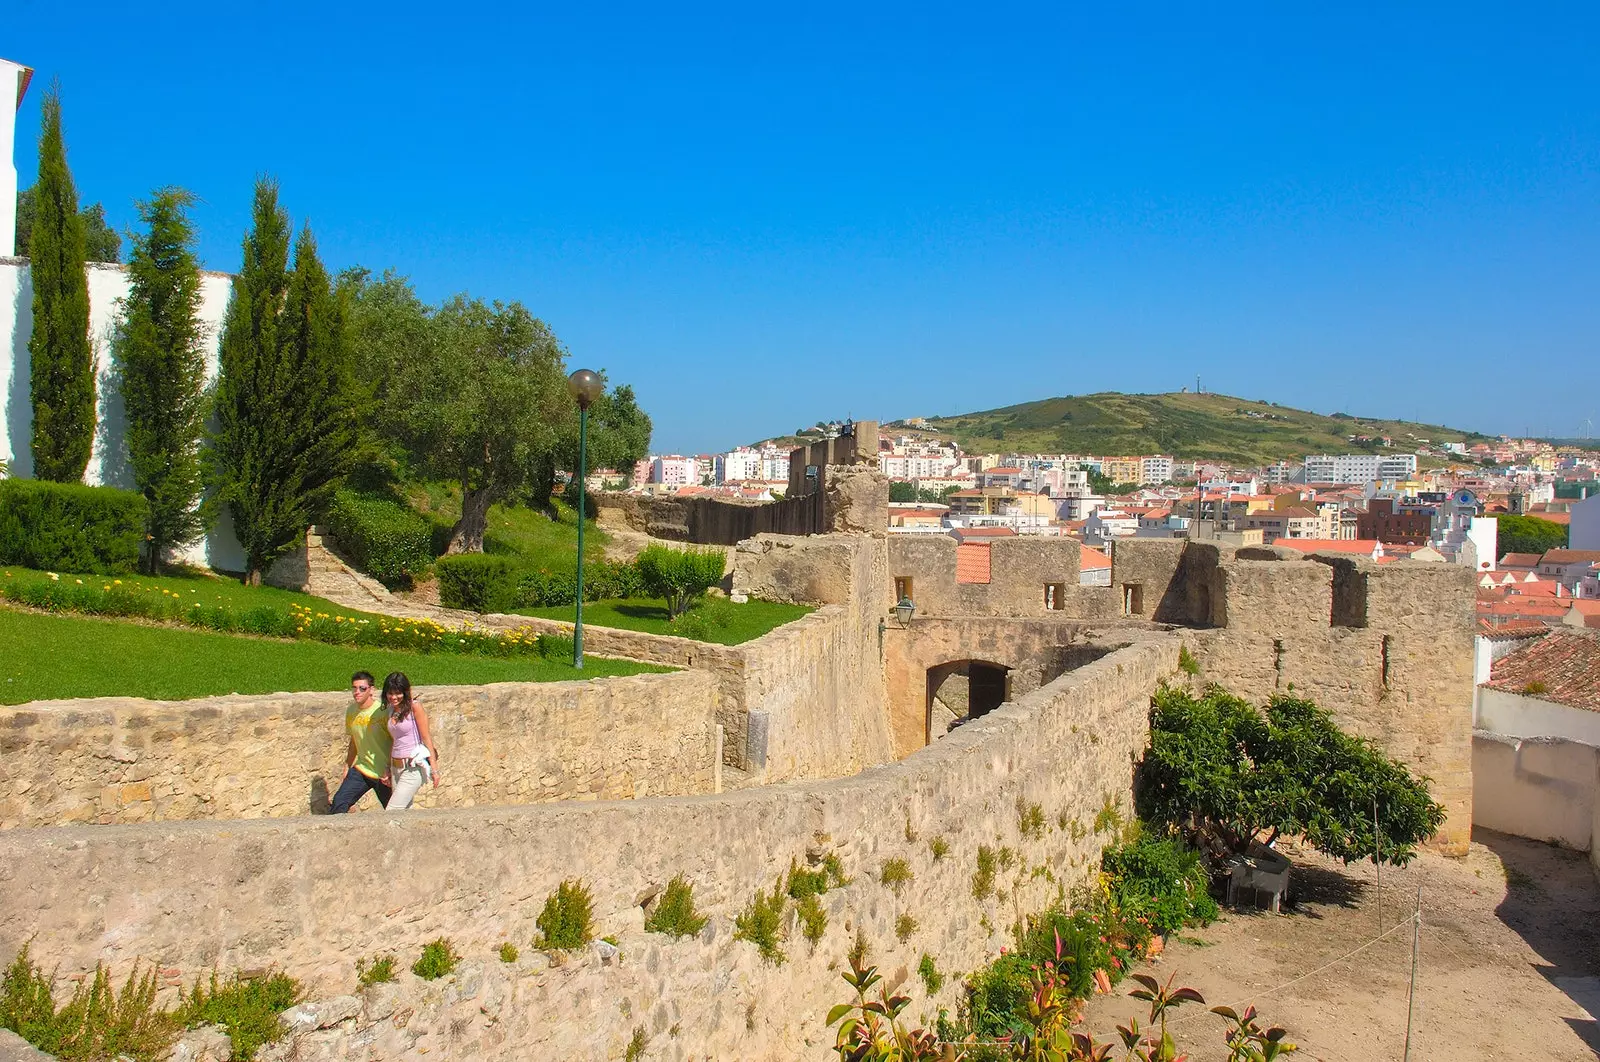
[(644, 612)]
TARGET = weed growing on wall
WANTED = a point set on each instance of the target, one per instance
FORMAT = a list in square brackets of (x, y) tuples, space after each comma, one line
[(761, 923), (438, 959), (566, 921), (1030, 819), (904, 926), (813, 919), (932, 979), (97, 1022), (896, 874), (376, 971), (1007, 856), (675, 914), (911, 833), (983, 877), (1187, 662), (508, 952), (1109, 818), (939, 847), (636, 1045), (247, 1007)]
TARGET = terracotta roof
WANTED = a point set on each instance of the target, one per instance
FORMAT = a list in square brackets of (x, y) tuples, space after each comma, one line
[(1554, 516), (972, 562), (1295, 512), (1571, 556), (1520, 560), (983, 532), (1566, 662), (1511, 629), (1090, 559)]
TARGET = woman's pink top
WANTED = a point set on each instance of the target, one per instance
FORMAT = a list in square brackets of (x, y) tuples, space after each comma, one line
[(407, 742)]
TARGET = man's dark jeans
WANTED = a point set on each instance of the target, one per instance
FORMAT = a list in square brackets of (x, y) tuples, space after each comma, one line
[(354, 787)]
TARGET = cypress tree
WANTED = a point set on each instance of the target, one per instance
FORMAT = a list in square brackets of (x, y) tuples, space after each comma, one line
[(286, 432), (62, 360), (162, 369)]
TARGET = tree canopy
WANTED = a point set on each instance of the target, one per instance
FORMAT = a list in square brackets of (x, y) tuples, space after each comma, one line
[(1529, 534), (100, 241), (1218, 767)]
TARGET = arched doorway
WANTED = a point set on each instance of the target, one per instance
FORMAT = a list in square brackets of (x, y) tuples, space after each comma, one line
[(963, 690)]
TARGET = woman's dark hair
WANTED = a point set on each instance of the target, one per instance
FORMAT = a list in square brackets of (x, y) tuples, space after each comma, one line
[(398, 683)]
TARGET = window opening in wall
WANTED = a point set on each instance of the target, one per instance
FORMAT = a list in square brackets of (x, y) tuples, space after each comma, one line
[(1133, 599), (1384, 650), (1055, 596), (1277, 662), (902, 588)]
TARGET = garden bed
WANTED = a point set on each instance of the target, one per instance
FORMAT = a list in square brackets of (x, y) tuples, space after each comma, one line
[(713, 620)]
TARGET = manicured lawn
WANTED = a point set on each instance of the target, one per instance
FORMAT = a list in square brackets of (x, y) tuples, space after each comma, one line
[(516, 529), (714, 621), (194, 587), (45, 656)]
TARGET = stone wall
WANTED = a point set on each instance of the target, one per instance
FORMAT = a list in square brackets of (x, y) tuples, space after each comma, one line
[(1544, 789), (315, 894), (1020, 568), (853, 498), (113, 759)]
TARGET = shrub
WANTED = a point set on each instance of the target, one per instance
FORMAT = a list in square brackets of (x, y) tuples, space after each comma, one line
[(602, 580), (478, 582), (69, 527), (932, 979), (1161, 880), (761, 923), (675, 913), (375, 972), (1535, 688), (896, 874), (566, 919), (904, 926), (983, 877), (508, 952), (939, 847), (1187, 662), (438, 959), (97, 1022), (679, 575), (247, 1007), (387, 540), (813, 919)]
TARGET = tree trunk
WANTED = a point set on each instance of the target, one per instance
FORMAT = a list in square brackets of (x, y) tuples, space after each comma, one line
[(467, 535), (252, 577)]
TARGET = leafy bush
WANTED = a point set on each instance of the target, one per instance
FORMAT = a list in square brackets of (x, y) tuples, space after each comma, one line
[(566, 919), (1216, 761), (70, 527), (675, 913), (802, 882), (379, 970), (478, 582), (1161, 880), (761, 923), (602, 580), (438, 959), (1187, 662), (98, 1021), (508, 952), (679, 575), (387, 540), (932, 979), (247, 1007)]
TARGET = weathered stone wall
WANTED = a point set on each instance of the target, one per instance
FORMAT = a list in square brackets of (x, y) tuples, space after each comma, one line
[(1019, 569), (315, 894), (852, 498), (116, 759)]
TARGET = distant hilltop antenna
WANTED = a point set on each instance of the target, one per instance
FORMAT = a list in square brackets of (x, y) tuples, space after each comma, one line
[(1197, 385)]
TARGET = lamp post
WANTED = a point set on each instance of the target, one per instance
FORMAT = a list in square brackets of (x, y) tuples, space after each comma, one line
[(586, 386)]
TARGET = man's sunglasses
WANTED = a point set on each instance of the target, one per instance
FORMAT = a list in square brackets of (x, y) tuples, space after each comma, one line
[(359, 688)]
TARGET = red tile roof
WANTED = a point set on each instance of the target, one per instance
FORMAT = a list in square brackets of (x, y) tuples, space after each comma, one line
[(1566, 662), (1510, 629), (1571, 556), (1090, 559), (983, 532), (972, 562), (1520, 560)]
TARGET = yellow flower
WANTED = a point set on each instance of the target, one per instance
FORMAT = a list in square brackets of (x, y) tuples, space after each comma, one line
[(79, 582), (118, 582)]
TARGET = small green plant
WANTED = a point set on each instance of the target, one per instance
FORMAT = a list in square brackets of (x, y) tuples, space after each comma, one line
[(939, 847), (858, 949), (983, 877), (1008, 856), (813, 919), (636, 1045), (1536, 687), (835, 869), (932, 979), (1519, 879), (1187, 662), (1076, 831), (375, 971), (675, 914), (896, 874), (97, 1022), (247, 1007), (438, 959), (1109, 817), (565, 922), (871, 1028), (508, 952), (904, 926), (761, 923), (1030, 819), (802, 882), (911, 833)]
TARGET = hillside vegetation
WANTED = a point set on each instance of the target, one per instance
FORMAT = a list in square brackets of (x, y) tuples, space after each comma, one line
[(1185, 425)]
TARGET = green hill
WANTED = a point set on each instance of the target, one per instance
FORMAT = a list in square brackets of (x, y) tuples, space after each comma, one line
[(1212, 426)]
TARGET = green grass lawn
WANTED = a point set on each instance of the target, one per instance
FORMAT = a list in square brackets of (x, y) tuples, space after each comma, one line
[(515, 529), (713, 621), (44, 656), (197, 586)]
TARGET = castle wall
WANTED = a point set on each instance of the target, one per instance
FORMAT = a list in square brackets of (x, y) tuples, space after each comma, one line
[(122, 759), (314, 894)]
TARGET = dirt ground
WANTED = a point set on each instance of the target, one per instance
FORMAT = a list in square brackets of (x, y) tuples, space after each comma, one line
[(1509, 958)]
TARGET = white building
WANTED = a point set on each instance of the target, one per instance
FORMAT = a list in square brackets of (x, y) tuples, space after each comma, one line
[(674, 470), (740, 464), (1584, 531), (1358, 468), (1156, 468), (1103, 525)]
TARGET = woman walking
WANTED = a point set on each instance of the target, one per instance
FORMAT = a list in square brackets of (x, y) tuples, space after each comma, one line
[(412, 758)]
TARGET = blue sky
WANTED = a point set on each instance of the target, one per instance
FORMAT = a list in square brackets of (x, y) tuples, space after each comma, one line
[(761, 218)]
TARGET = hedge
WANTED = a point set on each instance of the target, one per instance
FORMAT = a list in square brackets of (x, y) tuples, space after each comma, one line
[(383, 538), (69, 527), (481, 582), (603, 580)]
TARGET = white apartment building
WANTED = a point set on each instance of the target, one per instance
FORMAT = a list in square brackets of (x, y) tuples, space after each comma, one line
[(903, 467), (1282, 472), (740, 464), (1103, 525), (775, 465), (674, 470), (1359, 468), (1156, 468)]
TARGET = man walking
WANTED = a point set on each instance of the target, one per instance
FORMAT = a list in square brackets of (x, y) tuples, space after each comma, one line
[(367, 758)]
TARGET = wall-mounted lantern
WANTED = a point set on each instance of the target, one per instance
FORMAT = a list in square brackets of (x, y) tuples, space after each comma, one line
[(903, 610)]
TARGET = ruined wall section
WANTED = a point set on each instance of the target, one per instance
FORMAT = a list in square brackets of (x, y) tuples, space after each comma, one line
[(1020, 568), (123, 759), (300, 893)]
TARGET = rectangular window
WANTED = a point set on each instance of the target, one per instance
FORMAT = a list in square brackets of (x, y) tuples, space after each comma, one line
[(902, 588), (1133, 599), (1055, 596)]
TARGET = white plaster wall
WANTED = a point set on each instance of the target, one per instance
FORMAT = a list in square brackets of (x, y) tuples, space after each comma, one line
[(10, 100), (108, 463), (1584, 531), (1522, 716), (1543, 789)]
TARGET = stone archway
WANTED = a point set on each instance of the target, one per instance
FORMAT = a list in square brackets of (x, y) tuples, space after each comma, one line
[(960, 691)]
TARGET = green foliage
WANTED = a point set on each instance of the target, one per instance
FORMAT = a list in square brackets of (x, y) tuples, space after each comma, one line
[(161, 368), (1030, 819), (636, 1045), (548, 587), (932, 979), (67, 527), (896, 874), (1109, 818), (1536, 687), (97, 1022), (761, 923), (674, 913), (1218, 762), (477, 582), (382, 537), (438, 959), (376, 971), (286, 411), (566, 921), (679, 575), (939, 847), (61, 359), (710, 620), (983, 877), (247, 1007), (1529, 534), (508, 952), (904, 926), (871, 1028), (1159, 880), (813, 919), (100, 241), (1187, 662)]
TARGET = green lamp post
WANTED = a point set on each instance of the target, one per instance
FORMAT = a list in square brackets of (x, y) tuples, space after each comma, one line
[(586, 386)]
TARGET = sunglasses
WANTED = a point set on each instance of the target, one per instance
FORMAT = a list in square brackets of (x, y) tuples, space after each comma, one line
[(359, 688)]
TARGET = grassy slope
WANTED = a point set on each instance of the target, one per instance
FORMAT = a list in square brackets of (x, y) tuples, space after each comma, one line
[(45, 656), (516, 529), (749, 620), (1184, 425)]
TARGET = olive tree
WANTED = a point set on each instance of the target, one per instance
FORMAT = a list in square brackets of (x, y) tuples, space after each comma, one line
[(679, 576)]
